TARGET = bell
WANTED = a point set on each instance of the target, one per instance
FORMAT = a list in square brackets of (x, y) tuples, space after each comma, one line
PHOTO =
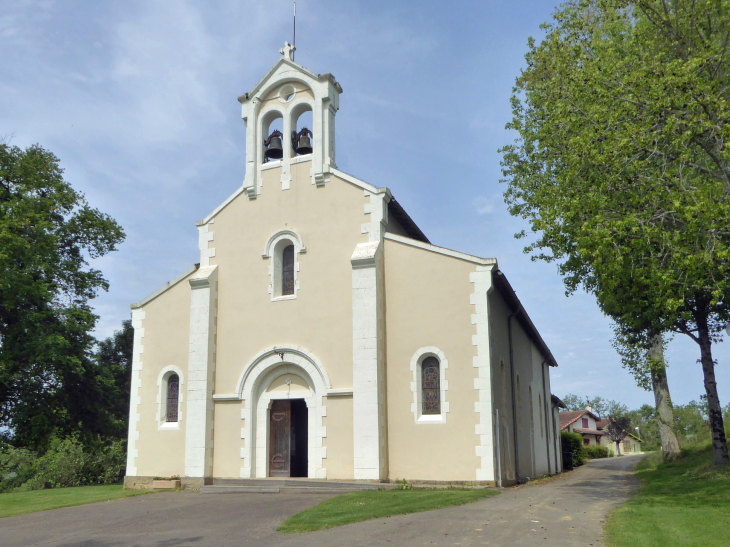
[(304, 142), (274, 150), (305, 145)]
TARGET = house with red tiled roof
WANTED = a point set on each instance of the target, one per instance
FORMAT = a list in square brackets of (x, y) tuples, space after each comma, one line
[(591, 429), (583, 422)]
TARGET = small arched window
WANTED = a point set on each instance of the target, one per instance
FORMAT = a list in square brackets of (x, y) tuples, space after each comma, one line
[(173, 396), (287, 271), (431, 386)]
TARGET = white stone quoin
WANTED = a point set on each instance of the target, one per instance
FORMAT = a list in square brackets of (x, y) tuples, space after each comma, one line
[(201, 366), (366, 362)]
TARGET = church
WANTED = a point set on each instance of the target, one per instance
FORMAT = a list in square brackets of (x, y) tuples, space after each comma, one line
[(323, 335)]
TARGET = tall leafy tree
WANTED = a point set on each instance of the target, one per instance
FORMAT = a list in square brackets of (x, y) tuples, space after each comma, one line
[(48, 378), (114, 363), (622, 168)]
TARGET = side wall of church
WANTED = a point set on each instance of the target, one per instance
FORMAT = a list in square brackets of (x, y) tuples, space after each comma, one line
[(529, 395), (329, 221), (427, 300), (502, 383), (166, 324)]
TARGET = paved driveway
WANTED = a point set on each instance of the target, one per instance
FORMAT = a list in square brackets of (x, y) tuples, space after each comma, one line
[(568, 510)]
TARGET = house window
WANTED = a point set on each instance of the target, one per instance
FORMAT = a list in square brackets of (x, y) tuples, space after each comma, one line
[(287, 271), (430, 386), (173, 396), (585, 423), (586, 441)]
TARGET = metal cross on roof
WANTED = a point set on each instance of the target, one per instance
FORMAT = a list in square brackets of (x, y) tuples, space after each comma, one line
[(288, 51)]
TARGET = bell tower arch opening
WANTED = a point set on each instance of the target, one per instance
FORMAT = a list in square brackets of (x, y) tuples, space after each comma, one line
[(302, 137), (272, 130)]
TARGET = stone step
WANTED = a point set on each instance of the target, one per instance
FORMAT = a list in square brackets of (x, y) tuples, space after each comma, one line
[(239, 490), (291, 486), (303, 483)]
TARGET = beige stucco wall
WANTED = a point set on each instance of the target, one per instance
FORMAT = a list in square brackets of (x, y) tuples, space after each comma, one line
[(427, 300), (329, 220), (339, 440), (227, 439), (319, 319), (166, 326)]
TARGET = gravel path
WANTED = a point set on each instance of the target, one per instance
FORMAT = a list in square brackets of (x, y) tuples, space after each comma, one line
[(564, 511)]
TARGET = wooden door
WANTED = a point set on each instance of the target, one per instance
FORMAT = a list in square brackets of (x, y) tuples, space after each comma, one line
[(280, 439)]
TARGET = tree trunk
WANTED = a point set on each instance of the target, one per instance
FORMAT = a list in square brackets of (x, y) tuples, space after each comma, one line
[(717, 428), (660, 386)]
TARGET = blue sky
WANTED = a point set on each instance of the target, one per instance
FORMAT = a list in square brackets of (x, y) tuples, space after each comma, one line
[(138, 99)]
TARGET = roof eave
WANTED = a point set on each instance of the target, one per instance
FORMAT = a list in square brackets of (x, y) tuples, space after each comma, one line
[(514, 304)]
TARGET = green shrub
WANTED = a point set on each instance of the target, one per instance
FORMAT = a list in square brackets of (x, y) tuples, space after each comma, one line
[(16, 467), (573, 443), (594, 451), (66, 462), (61, 465)]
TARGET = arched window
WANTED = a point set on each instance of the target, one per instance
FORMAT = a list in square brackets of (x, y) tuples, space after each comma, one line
[(283, 249), (173, 395), (430, 386), (287, 270)]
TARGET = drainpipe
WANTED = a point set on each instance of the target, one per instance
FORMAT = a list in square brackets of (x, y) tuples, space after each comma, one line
[(514, 402), (499, 451), (558, 462), (544, 403)]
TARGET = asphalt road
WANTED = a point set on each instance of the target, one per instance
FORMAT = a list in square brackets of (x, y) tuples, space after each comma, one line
[(565, 511)]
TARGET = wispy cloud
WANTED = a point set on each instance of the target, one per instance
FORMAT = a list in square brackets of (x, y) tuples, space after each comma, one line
[(483, 205)]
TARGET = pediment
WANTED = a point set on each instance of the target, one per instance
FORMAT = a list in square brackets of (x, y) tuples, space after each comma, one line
[(283, 70)]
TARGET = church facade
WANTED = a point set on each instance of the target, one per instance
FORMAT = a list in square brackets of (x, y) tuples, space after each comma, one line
[(322, 334)]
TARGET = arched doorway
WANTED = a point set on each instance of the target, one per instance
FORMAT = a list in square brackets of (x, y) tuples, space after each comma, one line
[(282, 390)]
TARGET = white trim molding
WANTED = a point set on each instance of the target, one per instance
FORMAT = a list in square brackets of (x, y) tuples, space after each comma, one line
[(201, 369), (165, 287), (368, 420), (417, 404), (378, 211), (295, 238), (162, 378), (482, 279), (273, 250), (441, 250), (205, 236), (255, 378), (138, 316)]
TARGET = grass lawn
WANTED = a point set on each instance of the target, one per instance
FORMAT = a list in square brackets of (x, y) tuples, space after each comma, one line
[(685, 502), (359, 506), (19, 503)]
